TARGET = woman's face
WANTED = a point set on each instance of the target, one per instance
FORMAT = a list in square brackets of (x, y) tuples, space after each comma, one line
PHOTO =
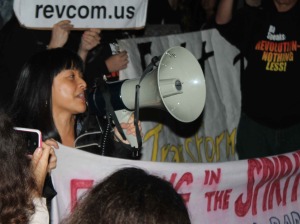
[(68, 92)]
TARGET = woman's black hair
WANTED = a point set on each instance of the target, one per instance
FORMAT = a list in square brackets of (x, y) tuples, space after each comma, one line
[(32, 106)]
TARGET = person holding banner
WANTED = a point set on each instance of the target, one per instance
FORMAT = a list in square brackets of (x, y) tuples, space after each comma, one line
[(50, 96), (266, 33), (130, 195), (22, 176)]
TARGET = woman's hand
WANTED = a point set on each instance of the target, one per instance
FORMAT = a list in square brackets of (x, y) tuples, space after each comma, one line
[(117, 62), (90, 39), (43, 161), (128, 128), (53, 159), (60, 34)]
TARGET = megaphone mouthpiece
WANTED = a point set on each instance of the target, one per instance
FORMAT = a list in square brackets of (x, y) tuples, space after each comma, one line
[(170, 87)]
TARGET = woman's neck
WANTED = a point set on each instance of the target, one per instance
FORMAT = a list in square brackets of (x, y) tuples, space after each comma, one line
[(66, 128)]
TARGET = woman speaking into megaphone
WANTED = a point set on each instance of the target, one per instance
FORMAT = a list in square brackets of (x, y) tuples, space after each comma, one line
[(50, 96)]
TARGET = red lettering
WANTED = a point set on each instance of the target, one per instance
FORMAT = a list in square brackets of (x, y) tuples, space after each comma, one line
[(296, 183), (295, 188), (276, 160), (212, 177), (218, 199), (286, 169), (186, 178), (209, 196), (75, 185), (226, 199), (242, 208), (271, 172), (267, 175)]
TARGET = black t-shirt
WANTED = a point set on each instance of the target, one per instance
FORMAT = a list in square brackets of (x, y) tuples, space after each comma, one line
[(269, 41)]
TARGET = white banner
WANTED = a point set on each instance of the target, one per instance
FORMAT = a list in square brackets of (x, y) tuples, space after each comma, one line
[(110, 14), (257, 191), (210, 138)]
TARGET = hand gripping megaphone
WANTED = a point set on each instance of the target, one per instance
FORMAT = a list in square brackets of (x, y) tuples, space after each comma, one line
[(176, 85)]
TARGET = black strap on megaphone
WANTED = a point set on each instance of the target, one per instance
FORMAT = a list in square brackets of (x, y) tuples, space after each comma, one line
[(103, 87), (148, 69), (108, 106)]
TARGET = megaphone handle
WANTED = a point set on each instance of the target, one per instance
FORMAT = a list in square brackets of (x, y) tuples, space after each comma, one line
[(123, 116)]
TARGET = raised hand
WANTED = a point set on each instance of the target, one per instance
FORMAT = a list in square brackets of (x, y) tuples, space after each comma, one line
[(43, 161), (90, 39), (60, 34), (117, 62)]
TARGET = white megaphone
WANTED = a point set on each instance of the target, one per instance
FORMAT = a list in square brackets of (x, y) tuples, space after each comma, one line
[(176, 85)]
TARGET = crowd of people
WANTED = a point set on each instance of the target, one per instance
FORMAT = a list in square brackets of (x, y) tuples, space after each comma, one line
[(47, 73)]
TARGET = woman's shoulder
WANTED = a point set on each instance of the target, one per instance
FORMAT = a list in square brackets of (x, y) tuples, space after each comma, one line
[(91, 131)]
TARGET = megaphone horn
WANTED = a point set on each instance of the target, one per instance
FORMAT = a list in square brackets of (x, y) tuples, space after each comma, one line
[(177, 85)]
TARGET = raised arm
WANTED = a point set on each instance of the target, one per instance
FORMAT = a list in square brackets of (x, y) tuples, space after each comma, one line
[(60, 34), (90, 39), (224, 12), (117, 62)]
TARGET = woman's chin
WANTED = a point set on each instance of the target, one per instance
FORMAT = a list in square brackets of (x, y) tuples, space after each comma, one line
[(81, 109)]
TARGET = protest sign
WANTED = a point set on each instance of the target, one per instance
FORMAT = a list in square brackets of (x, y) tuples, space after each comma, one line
[(109, 14)]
